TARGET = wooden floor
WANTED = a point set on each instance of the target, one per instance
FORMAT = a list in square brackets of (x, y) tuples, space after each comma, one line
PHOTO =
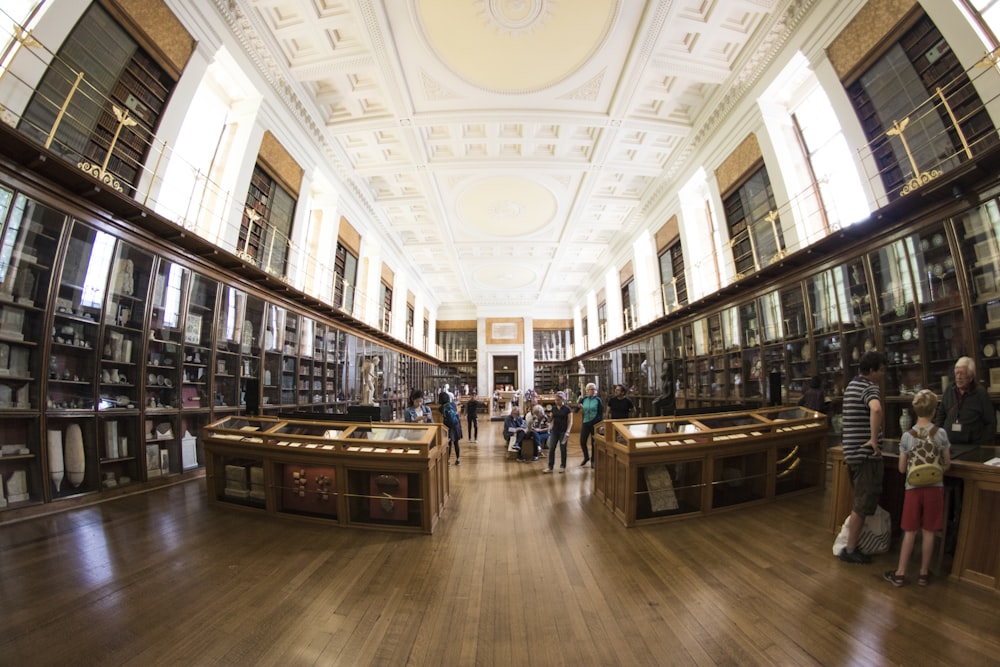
[(524, 569)]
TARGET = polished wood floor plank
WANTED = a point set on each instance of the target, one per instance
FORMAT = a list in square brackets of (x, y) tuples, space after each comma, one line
[(524, 569)]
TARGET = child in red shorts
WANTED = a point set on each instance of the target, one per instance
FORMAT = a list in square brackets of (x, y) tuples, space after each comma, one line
[(923, 507)]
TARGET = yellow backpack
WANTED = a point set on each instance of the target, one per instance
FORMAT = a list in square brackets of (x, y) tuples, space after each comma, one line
[(924, 465)]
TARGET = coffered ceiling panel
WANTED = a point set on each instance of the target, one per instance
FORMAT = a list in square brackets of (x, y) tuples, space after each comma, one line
[(508, 149)]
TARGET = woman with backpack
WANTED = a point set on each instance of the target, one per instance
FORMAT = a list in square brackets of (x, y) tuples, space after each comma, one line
[(449, 416)]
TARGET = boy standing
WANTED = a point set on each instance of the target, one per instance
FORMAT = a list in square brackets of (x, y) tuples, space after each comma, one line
[(923, 506)]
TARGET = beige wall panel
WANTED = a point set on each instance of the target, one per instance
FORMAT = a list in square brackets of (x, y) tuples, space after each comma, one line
[(280, 164), (862, 35), (667, 234), (739, 162), (165, 38), (349, 237), (505, 331)]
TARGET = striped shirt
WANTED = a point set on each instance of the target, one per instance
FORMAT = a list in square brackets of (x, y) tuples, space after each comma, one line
[(857, 418)]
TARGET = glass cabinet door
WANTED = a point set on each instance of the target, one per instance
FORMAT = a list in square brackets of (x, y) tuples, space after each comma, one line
[(121, 366), (27, 251), (123, 329), (336, 368), (79, 309), (979, 238), (290, 360), (274, 333), (893, 281), (251, 345), (194, 343), (892, 268), (166, 336), (797, 345), (319, 364), (198, 377), (28, 245), (828, 298), (309, 386), (935, 271), (733, 360), (74, 372), (770, 315), (753, 363), (228, 328)]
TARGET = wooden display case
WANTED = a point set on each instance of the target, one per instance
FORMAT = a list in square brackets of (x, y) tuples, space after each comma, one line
[(656, 469), (367, 475)]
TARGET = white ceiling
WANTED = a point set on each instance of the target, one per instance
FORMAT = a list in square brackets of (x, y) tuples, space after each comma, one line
[(515, 148)]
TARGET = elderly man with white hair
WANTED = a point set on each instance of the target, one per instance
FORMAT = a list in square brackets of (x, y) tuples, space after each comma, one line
[(966, 412)]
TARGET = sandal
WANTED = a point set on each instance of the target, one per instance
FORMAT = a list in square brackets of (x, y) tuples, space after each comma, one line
[(924, 579), (896, 580)]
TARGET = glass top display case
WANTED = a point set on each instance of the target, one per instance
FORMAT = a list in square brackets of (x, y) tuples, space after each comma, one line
[(728, 427), (330, 436)]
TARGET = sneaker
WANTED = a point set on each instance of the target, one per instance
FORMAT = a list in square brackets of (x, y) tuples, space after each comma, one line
[(854, 556), (562, 469), (896, 580), (585, 462), (457, 462), (535, 459), (547, 470)]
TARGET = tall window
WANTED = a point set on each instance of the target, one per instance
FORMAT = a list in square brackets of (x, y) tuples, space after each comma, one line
[(673, 284), (267, 223), (345, 270), (832, 173), (900, 89), (602, 321), (386, 308), (754, 227), (409, 324), (629, 304), (115, 109)]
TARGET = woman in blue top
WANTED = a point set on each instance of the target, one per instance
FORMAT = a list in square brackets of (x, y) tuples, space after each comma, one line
[(593, 414), (417, 411)]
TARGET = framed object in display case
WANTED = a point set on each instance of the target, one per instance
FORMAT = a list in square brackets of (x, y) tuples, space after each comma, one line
[(192, 329)]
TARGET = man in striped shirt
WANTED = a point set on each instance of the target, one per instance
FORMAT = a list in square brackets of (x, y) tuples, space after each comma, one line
[(862, 448)]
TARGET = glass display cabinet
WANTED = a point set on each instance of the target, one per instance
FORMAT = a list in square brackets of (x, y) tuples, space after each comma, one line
[(826, 292), (305, 391), (228, 345), (121, 380), (798, 348), (77, 342), (201, 371), (857, 323), (892, 271), (733, 359), (753, 363), (30, 236), (978, 233), (350, 474), (656, 469)]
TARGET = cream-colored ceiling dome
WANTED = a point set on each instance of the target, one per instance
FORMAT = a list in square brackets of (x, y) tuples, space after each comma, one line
[(515, 46)]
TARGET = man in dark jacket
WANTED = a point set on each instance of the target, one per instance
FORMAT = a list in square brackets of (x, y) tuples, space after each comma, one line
[(966, 412)]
